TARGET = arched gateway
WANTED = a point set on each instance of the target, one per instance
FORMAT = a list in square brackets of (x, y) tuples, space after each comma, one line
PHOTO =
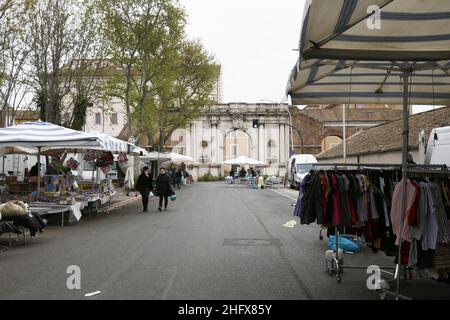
[(225, 130)]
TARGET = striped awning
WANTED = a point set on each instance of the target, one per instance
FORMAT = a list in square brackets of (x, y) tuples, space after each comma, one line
[(355, 29), (111, 144), (352, 53), (43, 134)]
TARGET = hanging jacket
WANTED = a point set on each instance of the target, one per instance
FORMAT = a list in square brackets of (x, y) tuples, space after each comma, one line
[(312, 200), (337, 211)]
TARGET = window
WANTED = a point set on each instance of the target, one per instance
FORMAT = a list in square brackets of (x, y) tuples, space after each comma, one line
[(270, 148), (98, 118), (233, 148), (332, 145), (114, 118)]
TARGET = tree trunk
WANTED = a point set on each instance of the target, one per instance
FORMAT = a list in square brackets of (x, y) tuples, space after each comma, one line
[(127, 100)]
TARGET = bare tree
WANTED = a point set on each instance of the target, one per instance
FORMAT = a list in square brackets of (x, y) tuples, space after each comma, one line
[(14, 53), (61, 42)]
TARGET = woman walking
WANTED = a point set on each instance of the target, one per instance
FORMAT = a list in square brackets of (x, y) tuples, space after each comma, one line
[(163, 188), (144, 186)]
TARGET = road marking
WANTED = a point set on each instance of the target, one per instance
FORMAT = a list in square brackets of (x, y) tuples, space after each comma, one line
[(285, 195), (169, 285)]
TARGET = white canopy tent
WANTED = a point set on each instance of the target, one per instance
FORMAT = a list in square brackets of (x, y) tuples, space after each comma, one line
[(173, 157), (374, 52), (45, 136), (155, 156), (179, 158), (244, 160)]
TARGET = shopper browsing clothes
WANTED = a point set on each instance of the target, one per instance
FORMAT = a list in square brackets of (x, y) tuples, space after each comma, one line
[(144, 186), (163, 188)]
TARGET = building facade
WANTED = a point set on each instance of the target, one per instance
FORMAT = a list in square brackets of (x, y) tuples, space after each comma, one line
[(226, 131)]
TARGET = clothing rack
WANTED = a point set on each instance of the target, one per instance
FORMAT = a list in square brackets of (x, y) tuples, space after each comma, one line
[(411, 169)]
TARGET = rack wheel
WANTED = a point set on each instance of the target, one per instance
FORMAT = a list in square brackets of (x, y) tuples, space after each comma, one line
[(338, 279)]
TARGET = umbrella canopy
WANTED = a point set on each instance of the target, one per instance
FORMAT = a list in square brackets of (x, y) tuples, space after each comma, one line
[(348, 58), (244, 160), (43, 134), (406, 30)]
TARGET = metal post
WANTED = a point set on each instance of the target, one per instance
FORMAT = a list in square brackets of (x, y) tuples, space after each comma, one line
[(406, 75), (38, 192), (3, 170), (344, 134), (291, 133)]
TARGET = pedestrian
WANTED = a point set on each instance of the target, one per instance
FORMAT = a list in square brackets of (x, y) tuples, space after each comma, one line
[(163, 188), (178, 177), (242, 173), (144, 185), (172, 175)]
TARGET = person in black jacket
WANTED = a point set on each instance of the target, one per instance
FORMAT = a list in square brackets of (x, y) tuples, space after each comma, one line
[(178, 177), (163, 188), (144, 186)]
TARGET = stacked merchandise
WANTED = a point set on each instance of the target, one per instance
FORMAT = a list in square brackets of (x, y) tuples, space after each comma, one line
[(19, 214)]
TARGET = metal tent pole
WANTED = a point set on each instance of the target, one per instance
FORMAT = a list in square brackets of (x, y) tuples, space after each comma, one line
[(406, 75), (344, 134), (38, 192)]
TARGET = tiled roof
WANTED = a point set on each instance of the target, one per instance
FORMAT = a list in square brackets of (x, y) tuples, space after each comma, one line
[(359, 115), (388, 136)]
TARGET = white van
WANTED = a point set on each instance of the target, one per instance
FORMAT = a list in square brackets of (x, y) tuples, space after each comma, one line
[(438, 147), (299, 166)]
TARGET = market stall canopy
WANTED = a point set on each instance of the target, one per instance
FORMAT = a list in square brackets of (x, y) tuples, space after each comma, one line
[(244, 160), (173, 157), (178, 158), (155, 156), (114, 145), (348, 58), (138, 150), (43, 134), (18, 150)]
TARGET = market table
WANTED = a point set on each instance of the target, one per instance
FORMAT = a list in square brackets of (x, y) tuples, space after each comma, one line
[(47, 208)]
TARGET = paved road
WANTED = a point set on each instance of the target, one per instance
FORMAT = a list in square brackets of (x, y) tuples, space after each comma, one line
[(215, 242)]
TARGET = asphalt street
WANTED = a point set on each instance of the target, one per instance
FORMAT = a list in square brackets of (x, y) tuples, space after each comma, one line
[(216, 241)]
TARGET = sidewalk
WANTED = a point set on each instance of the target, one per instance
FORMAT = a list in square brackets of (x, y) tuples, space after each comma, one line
[(121, 200)]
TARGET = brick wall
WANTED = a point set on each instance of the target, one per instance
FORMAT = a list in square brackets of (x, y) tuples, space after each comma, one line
[(313, 132)]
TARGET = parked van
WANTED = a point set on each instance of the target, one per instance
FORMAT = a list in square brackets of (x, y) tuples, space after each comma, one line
[(299, 166), (438, 147)]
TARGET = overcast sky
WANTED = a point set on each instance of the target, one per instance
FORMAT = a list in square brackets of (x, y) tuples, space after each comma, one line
[(252, 40)]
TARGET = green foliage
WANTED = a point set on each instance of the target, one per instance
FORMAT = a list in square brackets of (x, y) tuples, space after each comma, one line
[(165, 80), (210, 178)]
